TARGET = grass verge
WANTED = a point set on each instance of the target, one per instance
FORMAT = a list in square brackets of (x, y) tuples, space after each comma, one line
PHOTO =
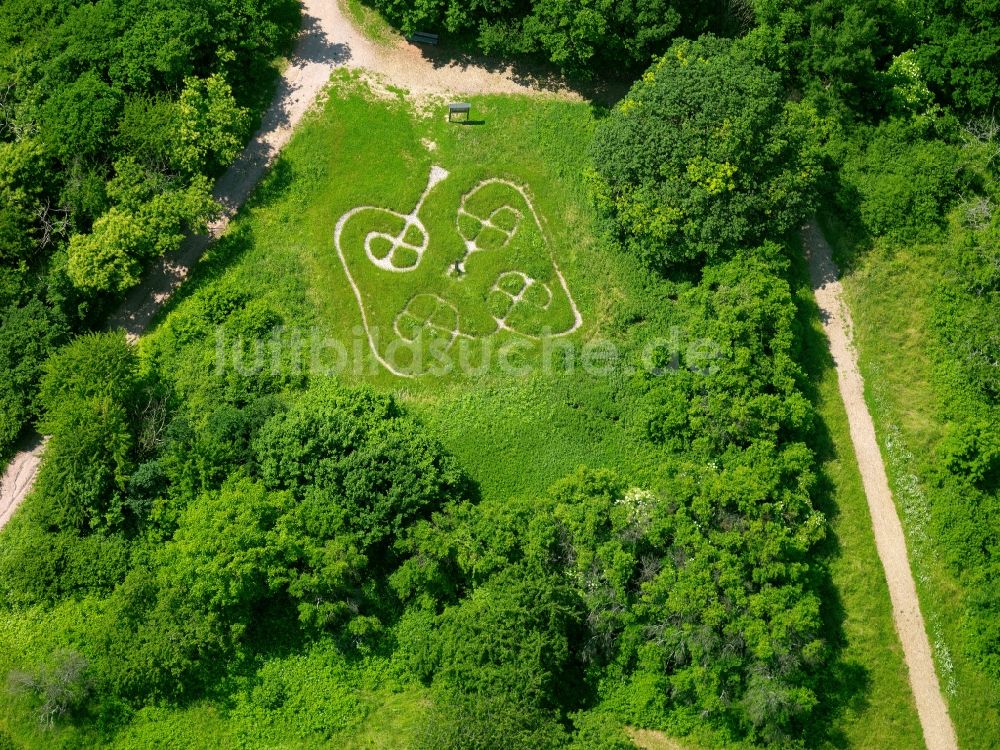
[(870, 676), (370, 22), (889, 291)]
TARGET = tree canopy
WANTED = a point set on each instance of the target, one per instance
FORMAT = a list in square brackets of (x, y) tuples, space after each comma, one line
[(703, 157), (114, 117)]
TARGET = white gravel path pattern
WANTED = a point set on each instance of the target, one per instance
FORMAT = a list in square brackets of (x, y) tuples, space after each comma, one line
[(412, 219)]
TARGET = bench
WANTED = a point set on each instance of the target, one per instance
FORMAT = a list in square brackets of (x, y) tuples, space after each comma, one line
[(422, 37), (459, 108)]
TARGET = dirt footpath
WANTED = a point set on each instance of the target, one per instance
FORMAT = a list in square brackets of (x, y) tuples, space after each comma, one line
[(327, 41), (939, 734), (19, 475)]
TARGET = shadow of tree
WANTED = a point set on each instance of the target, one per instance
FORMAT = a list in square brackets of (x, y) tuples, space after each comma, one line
[(221, 255), (850, 239), (843, 684), (534, 73)]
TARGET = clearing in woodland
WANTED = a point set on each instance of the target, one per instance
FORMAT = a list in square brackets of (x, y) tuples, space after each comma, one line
[(289, 307)]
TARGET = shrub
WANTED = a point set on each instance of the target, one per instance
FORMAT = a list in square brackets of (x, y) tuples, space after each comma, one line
[(354, 453), (41, 566), (580, 38), (900, 181), (702, 157), (212, 126), (514, 635), (28, 334), (78, 119), (599, 731), (473, 722), (141, 227), (744, 386), (61, 686), (86, 464), (960, 52), (86, 393), (966, 310)]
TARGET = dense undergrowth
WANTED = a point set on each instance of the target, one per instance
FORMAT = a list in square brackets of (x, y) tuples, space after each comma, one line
[(114, 117)]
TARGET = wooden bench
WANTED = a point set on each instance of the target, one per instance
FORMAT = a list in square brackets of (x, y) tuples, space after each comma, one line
[(459, 108), (422, 37)]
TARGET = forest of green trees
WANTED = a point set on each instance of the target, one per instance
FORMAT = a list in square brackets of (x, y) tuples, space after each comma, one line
[(191, 521), (114, 117)]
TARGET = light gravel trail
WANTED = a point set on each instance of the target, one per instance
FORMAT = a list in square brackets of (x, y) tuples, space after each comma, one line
[(939, 733), (19, 475), (328, 40)]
